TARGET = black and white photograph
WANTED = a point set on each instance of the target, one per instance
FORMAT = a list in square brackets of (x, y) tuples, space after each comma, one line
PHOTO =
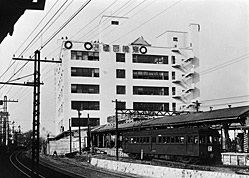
[(124, 88)]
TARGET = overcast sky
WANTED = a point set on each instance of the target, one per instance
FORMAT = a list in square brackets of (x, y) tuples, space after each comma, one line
[(224, 44)]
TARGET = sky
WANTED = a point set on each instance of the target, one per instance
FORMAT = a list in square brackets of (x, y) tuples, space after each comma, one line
[(224, 45)]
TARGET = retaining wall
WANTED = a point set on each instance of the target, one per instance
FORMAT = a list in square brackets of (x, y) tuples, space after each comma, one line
[(158, 171)]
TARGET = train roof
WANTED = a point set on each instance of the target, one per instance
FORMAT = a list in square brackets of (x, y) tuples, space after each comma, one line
[(232, 115)]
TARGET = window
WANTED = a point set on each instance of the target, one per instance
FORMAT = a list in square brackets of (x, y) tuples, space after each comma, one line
[(173, 59), (85, 105), (151, 106), (151, 75), (121, 105), (175, 39), (172, 139), (182, 138), (120, 57), (173, 75), (85, 55), (173, 106), (173, 90), (177, 139), (81, 88), (202, 139), (210, 139), (120, 89), (84, 72), (140, 90), (145, 139), (160, 139), (120, 73), (84, 122), (149, 59)]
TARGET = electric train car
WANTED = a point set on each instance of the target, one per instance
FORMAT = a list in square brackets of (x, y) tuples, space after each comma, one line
[(186, 144)]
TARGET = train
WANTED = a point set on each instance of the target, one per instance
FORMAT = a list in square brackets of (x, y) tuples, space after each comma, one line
[(189, 145)]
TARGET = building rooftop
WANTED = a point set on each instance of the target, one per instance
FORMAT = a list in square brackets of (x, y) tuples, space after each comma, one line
[(140, 41)]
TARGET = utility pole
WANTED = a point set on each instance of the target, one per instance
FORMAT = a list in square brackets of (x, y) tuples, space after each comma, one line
[(5, 120), (36, 108), (116, 118), (88, 132), (197, 105), (79, 132), (70, 137)]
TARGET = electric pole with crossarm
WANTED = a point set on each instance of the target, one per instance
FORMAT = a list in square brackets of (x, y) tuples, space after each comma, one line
[(36, 107)]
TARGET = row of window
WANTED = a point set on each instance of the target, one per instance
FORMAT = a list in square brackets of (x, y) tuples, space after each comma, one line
[(82, 88), (121, 89), (120, 57), (175, 139), (84, 72), (95, 105), (120, 73), (85, 55)]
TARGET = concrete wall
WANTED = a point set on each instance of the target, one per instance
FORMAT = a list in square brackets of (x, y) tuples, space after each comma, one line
[(157, 171)]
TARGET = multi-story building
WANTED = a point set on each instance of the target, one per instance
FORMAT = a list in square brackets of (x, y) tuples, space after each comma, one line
[(140, 75)]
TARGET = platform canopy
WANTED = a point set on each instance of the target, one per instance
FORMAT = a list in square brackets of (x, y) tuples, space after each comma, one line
[(215, 117), (228, 115)]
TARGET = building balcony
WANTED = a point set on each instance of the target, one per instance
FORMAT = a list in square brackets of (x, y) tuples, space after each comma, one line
[(177, 96), (177, 81), (176, 65), (190, 73), (190, 89)]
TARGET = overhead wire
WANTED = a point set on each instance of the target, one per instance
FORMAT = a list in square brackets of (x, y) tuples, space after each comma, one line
[(110, 17), (91, 21), (148, 20), (10, 65), (67, 22), (20, 69), (225, 64)]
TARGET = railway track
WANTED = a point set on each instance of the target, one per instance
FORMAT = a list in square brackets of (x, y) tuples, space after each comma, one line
[(15, 161), (84, 168)]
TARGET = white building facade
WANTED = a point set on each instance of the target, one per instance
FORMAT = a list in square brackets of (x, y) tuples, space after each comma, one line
[(139, 75)]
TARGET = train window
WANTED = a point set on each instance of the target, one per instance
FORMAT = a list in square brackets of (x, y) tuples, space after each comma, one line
[(160, 139), (210, 139), (141, 140), (190, 139), (148, 139), (168, 139), (164, 140), (202, 139), (177, 139), (132, 140), (153, 139), (195, 139), (145, 139), (172, 139), (216, 139), (182, 139)]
